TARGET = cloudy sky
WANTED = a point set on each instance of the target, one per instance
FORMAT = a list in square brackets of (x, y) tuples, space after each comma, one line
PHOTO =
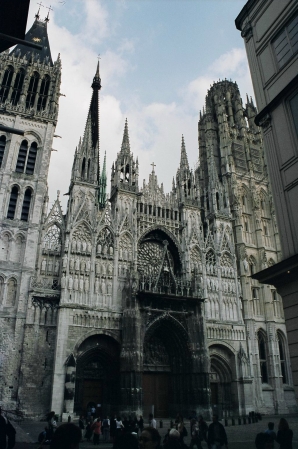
[(157, 60)]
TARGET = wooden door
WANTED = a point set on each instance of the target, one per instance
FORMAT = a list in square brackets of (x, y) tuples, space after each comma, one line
[(156, 392), (92, 392)]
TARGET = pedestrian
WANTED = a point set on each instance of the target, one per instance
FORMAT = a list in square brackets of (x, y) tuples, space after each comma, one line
[(93, 412), (106, 428), (217, 437), (82, 425), (52, 424), (141, 423), (96, 427), (126, 441), (149, 439), (113, 427), (88, 433), (194, 430), (152, 421), (270, 430), (203, 429), (284, 435), (119, 426), (181, 429), (172, 440), (3, 434), (67, 436)]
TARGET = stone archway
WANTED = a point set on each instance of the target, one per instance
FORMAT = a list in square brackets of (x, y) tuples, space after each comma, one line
[(97, 374), (223, 391), (167, 368)]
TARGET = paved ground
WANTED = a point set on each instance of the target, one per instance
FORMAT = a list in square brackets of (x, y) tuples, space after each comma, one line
[(239, 437)]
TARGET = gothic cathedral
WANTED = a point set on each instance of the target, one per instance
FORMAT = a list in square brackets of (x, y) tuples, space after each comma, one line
[(139, 300)]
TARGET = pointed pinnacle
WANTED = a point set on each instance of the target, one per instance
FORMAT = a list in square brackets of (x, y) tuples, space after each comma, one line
[(183, 159), (125, 147), (96, 80)]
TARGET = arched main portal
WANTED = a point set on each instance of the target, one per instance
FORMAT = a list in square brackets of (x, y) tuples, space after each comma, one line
[(222, 364), (97, 374), (167, 368)]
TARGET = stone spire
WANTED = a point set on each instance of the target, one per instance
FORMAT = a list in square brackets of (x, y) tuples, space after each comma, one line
[(183, 158), (86, 163), (103, 183), (125, 147)]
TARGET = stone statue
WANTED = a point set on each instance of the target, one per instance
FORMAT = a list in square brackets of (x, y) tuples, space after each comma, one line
[(81, 284), (86, 284), (64, 262), (43, 265), (50, 266), (89, 248), (77, 265), (66, 243), (110, 269), (97, 285), (97, 268), (103, 269), (103, 287), (79, 246), (82, 265), (111, 250), (88, 266), (99, 248), (84, 246), (105, 250), (63, 281), (76, 283), (73, 246), (71, 264), (57, 265), (70, 283), (245, 265), (109, 288)]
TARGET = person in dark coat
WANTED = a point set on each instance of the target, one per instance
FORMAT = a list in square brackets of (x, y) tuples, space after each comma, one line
[(217, 437), (284, 435), (141, 423), (3, 429), (67, 436)]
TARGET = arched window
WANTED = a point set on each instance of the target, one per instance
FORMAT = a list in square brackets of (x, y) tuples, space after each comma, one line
[(1, 289), (11, 293), (22, 157), (26, 205), (252, 265), (17, 88), (4, 91), (32, 90), (43, 93), (88, 169), (2, 148), (31, 159), (83, 168), (282, 358), (26, 159), (263, 357), (13, 202)]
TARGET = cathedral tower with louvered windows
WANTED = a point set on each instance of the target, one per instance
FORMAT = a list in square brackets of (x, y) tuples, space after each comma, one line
[(138, 300)]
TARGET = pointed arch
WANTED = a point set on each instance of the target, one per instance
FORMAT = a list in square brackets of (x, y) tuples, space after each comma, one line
[(43, 93), (263, 355), (282, 345), (11, 292), (105, 241), (26, 204), (17, 248), (252, 265), (6, 83), (125, 246), (52, 240), (2, 148), (32, 90), (13, 200), (17, 87)]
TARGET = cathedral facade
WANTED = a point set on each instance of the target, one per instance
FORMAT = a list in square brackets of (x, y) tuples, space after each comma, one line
[(139, 300)]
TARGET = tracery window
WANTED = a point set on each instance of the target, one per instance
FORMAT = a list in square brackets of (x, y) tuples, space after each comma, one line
[(282, 358), (263, 357), (2, 148), (105, 241), (13, 202), (17, 88), (52, 239), (252, 265), (26, 159), (43, 93), (195, 259), (26, 205), (4, 91), (125, 247), (150, 257), (32, 90), (210, 259)]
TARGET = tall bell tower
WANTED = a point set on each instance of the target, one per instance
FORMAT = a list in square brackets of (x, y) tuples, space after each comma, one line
[(29, 94)]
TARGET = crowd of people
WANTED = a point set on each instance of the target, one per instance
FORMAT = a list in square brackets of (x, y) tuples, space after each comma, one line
[(132, 433)]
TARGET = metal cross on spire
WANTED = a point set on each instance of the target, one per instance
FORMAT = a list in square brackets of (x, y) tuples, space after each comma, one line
[(153, 165), (50, 9), (37, 15)]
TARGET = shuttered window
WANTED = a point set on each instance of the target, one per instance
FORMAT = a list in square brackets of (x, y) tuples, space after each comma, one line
[(26, 205), (12, 202), (286, 43), (2, 148), (22, 157)]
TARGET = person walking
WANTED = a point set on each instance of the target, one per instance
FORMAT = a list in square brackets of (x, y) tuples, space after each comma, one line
[(217, 437), (141, 423), (284, 435), (82, 425), (119, 426), (152, 421), (96, 427), (88, 433), (3, 430), (67, 436), (106, 429)]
